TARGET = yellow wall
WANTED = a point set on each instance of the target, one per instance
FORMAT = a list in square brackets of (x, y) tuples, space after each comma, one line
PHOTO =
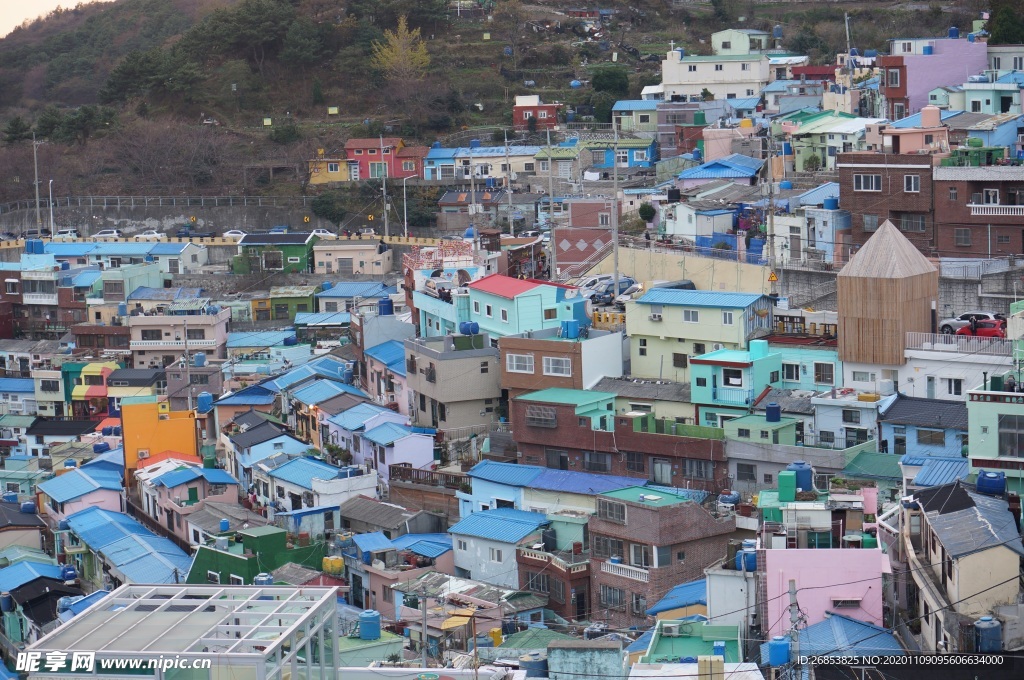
[(318, 173), (153, 427), (706, 273), (662, 409), (683, 612)]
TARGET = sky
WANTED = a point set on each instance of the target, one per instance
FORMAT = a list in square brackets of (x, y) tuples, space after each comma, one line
[(13, 12)]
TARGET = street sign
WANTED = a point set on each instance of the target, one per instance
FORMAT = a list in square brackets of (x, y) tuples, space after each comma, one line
[(772, 278)]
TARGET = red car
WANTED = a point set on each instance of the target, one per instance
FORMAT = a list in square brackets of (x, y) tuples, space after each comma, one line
[(986, 329)]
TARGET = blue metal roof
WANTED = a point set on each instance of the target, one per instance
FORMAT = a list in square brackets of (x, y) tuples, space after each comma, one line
[(188, 474), (682, 595), (914, 120), (98, 527), (499, 525), (323, 389), (79, 482), (372, 541), (387, 434), (254, 395), (260, 339), (20, 573), (68, 249), (322, 318), (354, 418), (351, 289), (698, 298), (86, 279), (111, 460), (168, 248), (734, 165), (937, 470), (428, 545), (744, 104), (302, 472), (636, 105), (324, 367), (840, 635), (641, 643), (17, 385), (817, 195), (587, 483), (511, 474), (147, 558), (391, 354), (81, 604)]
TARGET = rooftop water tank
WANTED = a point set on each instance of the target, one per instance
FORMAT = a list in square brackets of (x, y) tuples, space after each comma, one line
[(778, 651), (435, 145), (729, 497), (326, 285), (469, 328), (348, 376), (785, 184), (804, 475), (971, 37), (854, 52), (507, 51), (107, 431), (991, 483), (474, 144), (773, 413), (65, 265), (749, 544), (225, 526), (927, 50), (7, 603), (369, 625), (681, 52), (199, 359), (68, 573), (385, 307), (746, 559), (263, 579), (535, 664), (101, 447), (469, 233), (11, 497), (63, 525), (777, 32), (988, 635), (954, 32), (28, 508), (68, 464), (122, 309), (204, 402), (571, 329), (831, 203), (117, 430)]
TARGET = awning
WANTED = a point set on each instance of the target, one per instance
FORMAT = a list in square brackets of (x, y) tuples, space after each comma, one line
[(108, 422), (455, 622)]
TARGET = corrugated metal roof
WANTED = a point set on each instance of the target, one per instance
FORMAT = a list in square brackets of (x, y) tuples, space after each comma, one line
[(391, 354), (372, 541), (734, 165), (322, 318), (587, 483), (921, 412), (163, 294), (68, 249), (817, 195), (936, 470), (428, 545), (511, 474), (259, 339), (351, 289), (867, 464), (321, 390), (564, 395), (698, 298), (17, 385), (745, 103), (86, 279), (302, 472), (170, 248), (292, 291), (839, 635), (636, 105), (148, 558), (16, 420), (967, 522), (254, 395), (500, 525), (682, 595), (184, 476), (121, 248), (79, 482), (97, 527), (20, 573), (387, 434), (353, 419), (503, 286), (914, 120)]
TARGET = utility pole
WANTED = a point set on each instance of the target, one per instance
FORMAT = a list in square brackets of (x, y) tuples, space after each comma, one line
[(551, 210), (472, 192), (384, 184), (423, 635), (794, 620), (771, 214), (508, 189), (615, 214), (188, 366), (35, 161)]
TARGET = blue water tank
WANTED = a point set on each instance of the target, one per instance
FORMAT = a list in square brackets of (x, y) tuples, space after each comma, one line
[(263, 579), (367, 557), (490, 183), (787, 149), (10, 497), (748, 544), (101, 447), (954, 32), (68, 573), (369, 625), (615, 559), (854, 52), (804, 475), (199, 359), (7, 602), (773, 413), (28, 507), (571, 329), (484, 640), (778, 651), (971, 37), (435, 145), (117, 430), (830, 203), (291, 341), (575, 84), (149, 258), (65, 265), (988, 635), (474, 144), (687, 659), (63, 525), (991, 483), (730, 497), (718, 648), (535, 664), (469, 233), (474, 328), (870, 53), (697, 154), (122, 309), (785, 184), (107, 431), (681, 52), (385, 307), (326, 285), (70, 464), (348, 376), (570, 116), (466, 328), (746, 558), (927, 50), (40, 247), (225, 526), (204, 402), (777, 32)]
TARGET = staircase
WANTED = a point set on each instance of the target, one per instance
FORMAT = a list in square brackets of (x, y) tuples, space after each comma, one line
[(574, 271), (810, 300)]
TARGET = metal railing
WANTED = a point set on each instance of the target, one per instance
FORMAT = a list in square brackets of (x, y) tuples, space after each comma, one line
[(626, 571), (160, 201), (996, 210), (963, 344), (732, 395), (409, 475)]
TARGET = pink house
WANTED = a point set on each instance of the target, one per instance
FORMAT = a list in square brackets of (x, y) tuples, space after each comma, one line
[(173, 492), (385, 375), (78, 489)]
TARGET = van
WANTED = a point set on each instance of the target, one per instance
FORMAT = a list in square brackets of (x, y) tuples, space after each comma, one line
[(682, 284), (66, 235)]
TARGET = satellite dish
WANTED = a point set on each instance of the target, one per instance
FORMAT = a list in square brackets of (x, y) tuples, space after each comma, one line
[(570, 293), (377, 564)]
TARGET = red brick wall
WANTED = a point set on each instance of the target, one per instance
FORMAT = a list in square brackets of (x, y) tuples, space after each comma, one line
[(580, 581), (953, 213)]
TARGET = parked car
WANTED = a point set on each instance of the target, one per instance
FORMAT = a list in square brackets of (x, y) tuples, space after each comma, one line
[(108, 233), (278, 230), (35, 233), (953, 324), (323, 233), (605, 293), (634, 291), (8, 236), (992, 328), (66, 235), (367, 231), (593, 280), (151, 235), (236, 234), (189, 232), (533, 233)]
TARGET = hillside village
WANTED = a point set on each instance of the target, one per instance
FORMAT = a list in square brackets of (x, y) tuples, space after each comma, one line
[(587, 427)]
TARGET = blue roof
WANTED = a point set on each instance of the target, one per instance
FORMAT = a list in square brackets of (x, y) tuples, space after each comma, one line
[(259, 339), (323, 389), (302, 472), (501, 524), (1012, 77), (642, 643), (744, 104), (111, 460), (20, 573), (937, 470), (161, 248), (68, 249), (391, 354), (98, 527), (188, 474), (121, 248), (441, 152), (840, 635), (636, 105), (354, 418), (734, 165), (817, 195), (164, 294), (323, 367), (322, 318), (511, 474), (17, 385), (375, 540), (81, 604), (86, 278), (351, 289), (698, 298), (682, 595), (428, 545), (79, 482), (914, 120), (580, 482), (254, 395), (387, 434)]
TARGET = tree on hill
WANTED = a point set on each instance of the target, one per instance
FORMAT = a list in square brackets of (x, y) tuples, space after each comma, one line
[(403, 54), (303, 44), (1005, 25), (16, 130), (330, 206), (611, 79)]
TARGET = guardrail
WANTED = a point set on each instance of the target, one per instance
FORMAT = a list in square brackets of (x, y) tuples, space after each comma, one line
[(159, 201), (963, 344)]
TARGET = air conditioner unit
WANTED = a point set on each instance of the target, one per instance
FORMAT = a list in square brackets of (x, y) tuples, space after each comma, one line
[(143, 453), (655, 317), (670, 630), (718, 345)]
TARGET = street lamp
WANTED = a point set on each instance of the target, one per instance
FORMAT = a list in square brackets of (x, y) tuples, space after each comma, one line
[(405, 208), (52, 229)]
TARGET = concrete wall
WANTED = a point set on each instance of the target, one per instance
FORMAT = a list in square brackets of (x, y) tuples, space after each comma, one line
[(706, 273)]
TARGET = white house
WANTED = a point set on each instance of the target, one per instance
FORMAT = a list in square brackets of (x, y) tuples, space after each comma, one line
[(726, 76), (180, 258), (485, 544), (391, 443), (298, 483), (345, 429), (843, 419)]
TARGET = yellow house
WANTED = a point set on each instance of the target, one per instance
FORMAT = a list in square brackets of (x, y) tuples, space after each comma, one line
[(324, 170), (150, 427)]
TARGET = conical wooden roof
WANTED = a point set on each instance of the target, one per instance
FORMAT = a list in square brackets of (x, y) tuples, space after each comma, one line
[(887, 254)]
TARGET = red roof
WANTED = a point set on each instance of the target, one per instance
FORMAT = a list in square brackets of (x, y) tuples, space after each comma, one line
[(503, 286), (413, 151), (373, 143)]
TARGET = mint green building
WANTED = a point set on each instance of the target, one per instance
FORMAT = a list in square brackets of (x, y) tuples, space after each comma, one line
[(725, 383), (758, 429)]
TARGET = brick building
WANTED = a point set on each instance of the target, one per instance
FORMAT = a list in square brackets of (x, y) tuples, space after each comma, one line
[(580, 430), (643, 543), (545, 358), (979, 211)]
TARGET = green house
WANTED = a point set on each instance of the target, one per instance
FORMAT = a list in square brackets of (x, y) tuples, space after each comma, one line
[(286, 253), (260, 550), (287, 301), (758, 429)]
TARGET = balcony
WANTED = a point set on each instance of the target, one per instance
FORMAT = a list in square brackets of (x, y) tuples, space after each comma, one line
[(39, 298), (40, 274), (995, 210), (734, 396), (962, 344), (566, 561), (626, 571), (409, 475), (172, 344)]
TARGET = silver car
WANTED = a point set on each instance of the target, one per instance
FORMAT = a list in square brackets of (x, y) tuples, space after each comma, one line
[(955, 323)]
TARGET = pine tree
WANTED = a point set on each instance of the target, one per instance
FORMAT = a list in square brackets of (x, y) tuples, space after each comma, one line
[(403, 54)]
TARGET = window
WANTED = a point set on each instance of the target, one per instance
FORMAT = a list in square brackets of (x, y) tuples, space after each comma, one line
[(557, 459), (541, 416), (1018, 63), (519, 363), (867, 182), (912, 184), (273, 260), (764, 434), (962, 237), (929, 437), (635, 461), (826, 438), (236, 580), (642, 347), (496, 555), (851, 416), (691, 316), (870, 222), (719, 67), (691, 68), (377, 170), (893, 78), (990, 196), (485, 368), (824, 374), (604, 219), (333, 167), (595, 461), (640, 555), (726, 318), (743, 432), (912, 223), (504, 315), (954, 386), (952, 193), (461, 545), (791, 372), (12, 287), (732, 377), (745, 67), (612, 597), (863, 376), (746, 472), (611, 511), (544, 166), (768, 479), (607, 547), (195, 334), (488, 311), (202, 379), (699, 469), (557, 590), (726, 44), (536, 582), (152, 334), (557, 366), (698, 348), (49, 385), (702, 382), (975, 106), (550, 314), (212, 577), (679, 360), (1003, 239), (476, 306), (408, 166)]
